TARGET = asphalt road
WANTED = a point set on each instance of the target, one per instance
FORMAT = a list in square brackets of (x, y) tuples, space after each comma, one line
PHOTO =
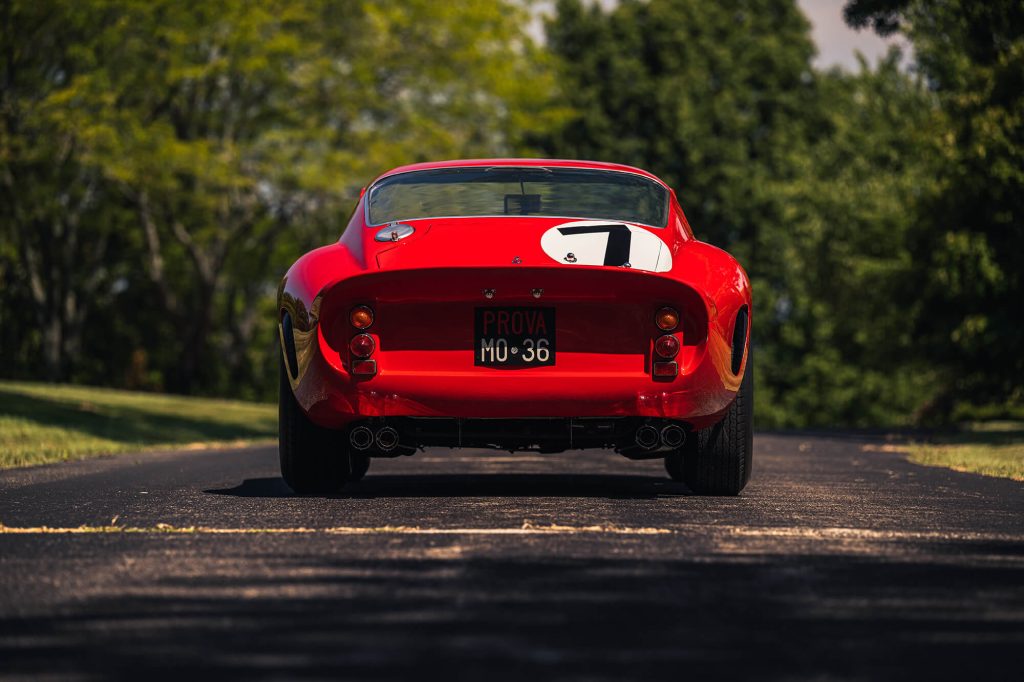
[(838, 562)]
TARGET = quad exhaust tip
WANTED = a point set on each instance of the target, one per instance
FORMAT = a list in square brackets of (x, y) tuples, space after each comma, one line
[(647, 437), (387, 439), (361, 438), (672, 436)]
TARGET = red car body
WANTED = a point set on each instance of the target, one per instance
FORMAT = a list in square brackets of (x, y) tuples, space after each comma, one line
[(437, 290)]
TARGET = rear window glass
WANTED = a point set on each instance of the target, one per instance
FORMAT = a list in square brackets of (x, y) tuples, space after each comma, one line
[(506, 190)]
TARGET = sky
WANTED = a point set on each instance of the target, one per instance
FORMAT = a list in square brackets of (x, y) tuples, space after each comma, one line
[(838, 43)]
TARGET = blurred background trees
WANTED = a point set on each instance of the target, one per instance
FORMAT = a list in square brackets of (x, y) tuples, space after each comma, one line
[(967, 235), (162, 163)]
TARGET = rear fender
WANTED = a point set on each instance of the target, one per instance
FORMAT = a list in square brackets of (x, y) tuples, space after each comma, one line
[(728, 298), (300, 300)]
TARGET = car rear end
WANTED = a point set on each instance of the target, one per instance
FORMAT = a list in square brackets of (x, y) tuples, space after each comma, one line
[(517, 343), (518, 306)]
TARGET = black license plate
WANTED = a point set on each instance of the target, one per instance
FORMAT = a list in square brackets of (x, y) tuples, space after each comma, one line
[(514, 337)]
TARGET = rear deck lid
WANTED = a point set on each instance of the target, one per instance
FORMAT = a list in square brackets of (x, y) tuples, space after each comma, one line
[(531, 242)]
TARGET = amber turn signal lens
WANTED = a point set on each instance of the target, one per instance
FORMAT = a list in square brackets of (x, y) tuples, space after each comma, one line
[(362, 346), (361, 317), (667, 319), (667, 346)]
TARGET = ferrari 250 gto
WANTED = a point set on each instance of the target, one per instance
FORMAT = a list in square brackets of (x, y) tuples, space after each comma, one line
[(517, 304)]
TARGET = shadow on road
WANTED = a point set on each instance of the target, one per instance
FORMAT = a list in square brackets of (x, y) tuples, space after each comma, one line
[(297, 616), (605, 486)]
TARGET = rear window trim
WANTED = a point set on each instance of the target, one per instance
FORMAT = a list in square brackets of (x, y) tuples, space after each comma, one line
[(369, 190)]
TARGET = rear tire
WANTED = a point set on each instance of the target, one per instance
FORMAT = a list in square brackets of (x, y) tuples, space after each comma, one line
[(718, 460), (314, 460)]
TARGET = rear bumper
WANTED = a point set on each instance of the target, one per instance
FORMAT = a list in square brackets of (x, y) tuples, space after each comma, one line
[(699, 395)]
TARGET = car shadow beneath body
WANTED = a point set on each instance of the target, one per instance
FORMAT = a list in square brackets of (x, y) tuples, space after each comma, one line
[(607, 486)]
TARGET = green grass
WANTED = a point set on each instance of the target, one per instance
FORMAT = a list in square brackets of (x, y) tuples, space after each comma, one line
[(42, 423), (990, 448)]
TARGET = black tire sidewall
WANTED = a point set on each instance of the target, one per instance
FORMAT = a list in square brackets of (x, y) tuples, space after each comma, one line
[(313, 460)]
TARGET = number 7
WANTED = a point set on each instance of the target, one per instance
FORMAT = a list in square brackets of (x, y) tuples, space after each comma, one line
[(619, 238)]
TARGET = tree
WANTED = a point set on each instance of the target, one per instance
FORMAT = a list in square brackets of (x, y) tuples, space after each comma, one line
[(236, 135), (57, 232), (969, 237), (841, 347)]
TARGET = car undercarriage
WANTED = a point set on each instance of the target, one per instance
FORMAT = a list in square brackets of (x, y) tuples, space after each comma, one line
[(633, 437)]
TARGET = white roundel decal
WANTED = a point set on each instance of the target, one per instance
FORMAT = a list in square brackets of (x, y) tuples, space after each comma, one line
[(606, 242)]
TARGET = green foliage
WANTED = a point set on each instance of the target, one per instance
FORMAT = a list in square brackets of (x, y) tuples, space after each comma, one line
[(60, 231), (968, 235), (841, 341), (195, 149)]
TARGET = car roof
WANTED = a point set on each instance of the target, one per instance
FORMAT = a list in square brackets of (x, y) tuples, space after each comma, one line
[(550, 163)]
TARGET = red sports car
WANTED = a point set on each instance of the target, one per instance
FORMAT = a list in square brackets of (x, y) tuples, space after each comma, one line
[(518, 304)]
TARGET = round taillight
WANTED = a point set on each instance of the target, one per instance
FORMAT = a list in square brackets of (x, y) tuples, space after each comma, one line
[(362, 346), (361, 317), (667, 346), (667, 319)]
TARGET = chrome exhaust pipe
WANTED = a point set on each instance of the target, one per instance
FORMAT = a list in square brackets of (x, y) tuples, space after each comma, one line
[(361, 438), (647, 437), (387, 439), (672, 436)]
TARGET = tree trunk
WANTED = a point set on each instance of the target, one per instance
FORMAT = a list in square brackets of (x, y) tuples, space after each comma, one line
[(195, 339)]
